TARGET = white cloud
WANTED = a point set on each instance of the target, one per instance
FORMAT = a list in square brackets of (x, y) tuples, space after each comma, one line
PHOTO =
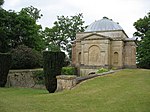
[(12, 3), (126, 12)]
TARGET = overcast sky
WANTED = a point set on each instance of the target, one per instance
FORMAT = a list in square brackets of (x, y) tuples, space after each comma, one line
[(126, 12)]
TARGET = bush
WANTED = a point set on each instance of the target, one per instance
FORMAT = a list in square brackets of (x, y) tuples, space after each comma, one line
[(24, 57), (68, 71), (101, 70), (5, 63), (53, 62)]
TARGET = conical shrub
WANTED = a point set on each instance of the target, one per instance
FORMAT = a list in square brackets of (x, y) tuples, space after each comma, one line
[(53, 62), (5, 64)]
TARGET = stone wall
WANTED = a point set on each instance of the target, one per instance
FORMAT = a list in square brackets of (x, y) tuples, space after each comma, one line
[(24, 78), (65, 82), (28, 79)]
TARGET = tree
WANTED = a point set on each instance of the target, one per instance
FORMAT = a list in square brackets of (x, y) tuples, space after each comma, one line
[(143, 32), (17, 29), (32, 12), (1, 2), (33, 37), (64, 32), (52, 39), (6, 23), (24, 57)]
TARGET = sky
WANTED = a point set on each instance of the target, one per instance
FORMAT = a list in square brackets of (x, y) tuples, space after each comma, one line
[(125, 12)]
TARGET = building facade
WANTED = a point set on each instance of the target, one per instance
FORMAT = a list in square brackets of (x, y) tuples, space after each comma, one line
[(103, 44)]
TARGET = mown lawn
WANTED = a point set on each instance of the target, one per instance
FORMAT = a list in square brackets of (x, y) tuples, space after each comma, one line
[(124, 91)]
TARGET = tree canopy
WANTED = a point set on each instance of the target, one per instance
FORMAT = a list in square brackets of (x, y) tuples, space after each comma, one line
[(19, 28), (1, 2), (32, 12), (143, 32), (60, 36)]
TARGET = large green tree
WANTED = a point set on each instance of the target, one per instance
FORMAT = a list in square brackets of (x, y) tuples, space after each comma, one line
[(60, 36), (143, 41), (35, 15), (19, 28)]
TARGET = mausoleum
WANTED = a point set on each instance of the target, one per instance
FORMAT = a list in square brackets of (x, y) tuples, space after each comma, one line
[(103, 44)]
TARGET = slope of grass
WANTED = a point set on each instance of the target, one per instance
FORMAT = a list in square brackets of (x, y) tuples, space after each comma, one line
[(124, 91)]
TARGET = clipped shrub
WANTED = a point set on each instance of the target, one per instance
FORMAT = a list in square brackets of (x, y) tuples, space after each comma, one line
[(24, 57), (5, 63), (53, 62), (68, 71), (101, 70)]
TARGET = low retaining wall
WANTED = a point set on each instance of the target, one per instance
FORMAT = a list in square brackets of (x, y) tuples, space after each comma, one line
[(23, 78), (67, 82), (27, 79), (83, 78)]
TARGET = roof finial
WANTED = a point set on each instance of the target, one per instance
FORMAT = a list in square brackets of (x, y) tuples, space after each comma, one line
[(105, 17)]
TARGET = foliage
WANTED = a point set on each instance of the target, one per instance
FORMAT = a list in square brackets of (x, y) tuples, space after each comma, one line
[(143, 53), (1, 2), (5, 29), (123, 91), (19, 28), (143, 50), (114, 68), (39, 77), (32, 12), (53, 62), (68, 71), (24, 57), (142, 26), (52, 40), (5, 63), (63, 32), (101, 70)]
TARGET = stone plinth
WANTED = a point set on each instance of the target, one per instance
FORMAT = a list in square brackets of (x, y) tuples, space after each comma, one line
[(65, 82)]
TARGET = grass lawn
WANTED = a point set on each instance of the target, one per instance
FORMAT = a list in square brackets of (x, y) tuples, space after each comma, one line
[(124, 91)]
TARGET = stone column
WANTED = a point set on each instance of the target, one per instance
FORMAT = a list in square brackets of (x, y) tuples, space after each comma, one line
[(130, 54), (73, 53)]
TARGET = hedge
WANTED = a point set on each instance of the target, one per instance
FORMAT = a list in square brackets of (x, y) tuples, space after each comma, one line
[(5, 64), (53, 62), (69, 71)]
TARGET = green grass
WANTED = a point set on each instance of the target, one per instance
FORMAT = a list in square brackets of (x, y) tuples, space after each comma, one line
[(124, 91)]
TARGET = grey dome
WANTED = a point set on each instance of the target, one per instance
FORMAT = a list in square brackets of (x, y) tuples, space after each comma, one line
[(104, 24)]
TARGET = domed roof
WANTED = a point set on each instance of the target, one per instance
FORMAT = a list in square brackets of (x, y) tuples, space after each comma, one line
[(104, 24)]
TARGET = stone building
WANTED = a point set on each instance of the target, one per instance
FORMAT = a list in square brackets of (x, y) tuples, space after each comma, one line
[(103, 44)]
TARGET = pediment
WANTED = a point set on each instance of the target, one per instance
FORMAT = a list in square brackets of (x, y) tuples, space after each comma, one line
[(95, 36)]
